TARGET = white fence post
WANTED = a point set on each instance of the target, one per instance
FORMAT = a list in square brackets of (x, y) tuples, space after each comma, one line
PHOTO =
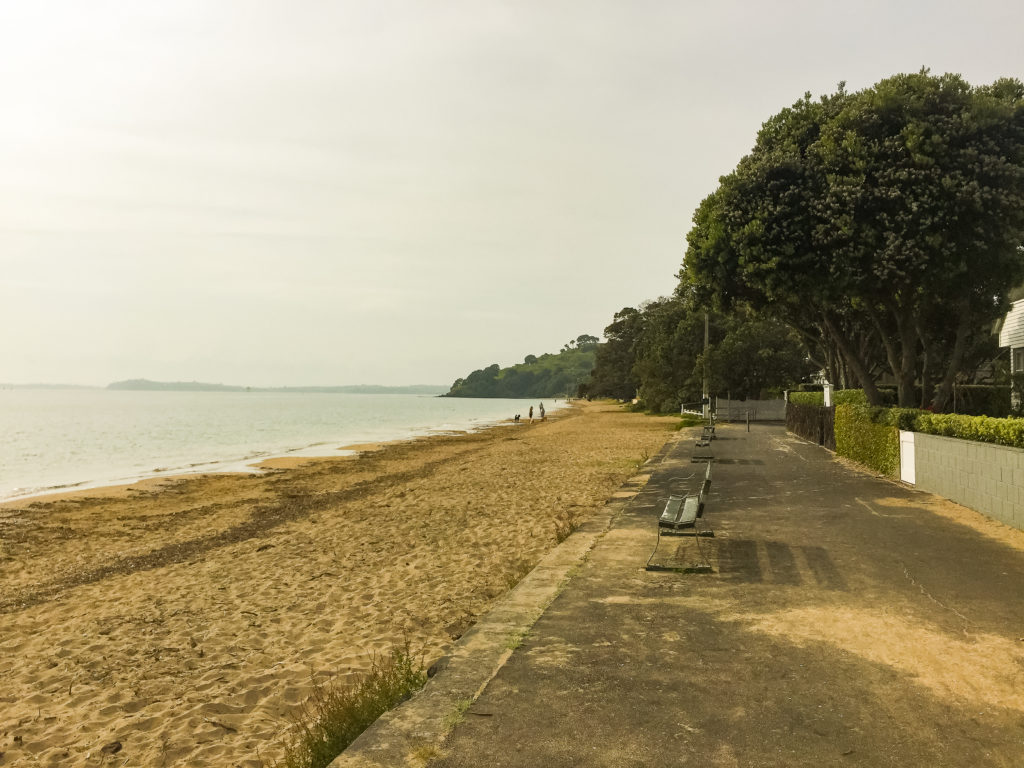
[(908, 473)]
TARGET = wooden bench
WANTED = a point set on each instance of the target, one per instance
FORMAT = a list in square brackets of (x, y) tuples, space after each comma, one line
[(681, 512)]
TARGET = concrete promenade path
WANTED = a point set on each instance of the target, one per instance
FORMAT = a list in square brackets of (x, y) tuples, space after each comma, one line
[(846, 621)]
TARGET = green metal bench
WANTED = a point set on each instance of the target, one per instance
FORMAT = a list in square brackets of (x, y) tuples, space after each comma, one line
[(679, 517), (681, 512)]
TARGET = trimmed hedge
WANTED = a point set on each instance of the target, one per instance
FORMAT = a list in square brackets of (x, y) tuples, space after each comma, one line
[(870, 435), (983, 429), (863, 435), (849, 397), (902, 418), (807, 398), (839, 397)]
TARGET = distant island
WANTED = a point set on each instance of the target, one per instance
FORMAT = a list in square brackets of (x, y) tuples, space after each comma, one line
[(145, 385), (550, 375)]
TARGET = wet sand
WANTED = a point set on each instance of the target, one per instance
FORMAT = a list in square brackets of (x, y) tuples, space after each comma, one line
[(185, 620)]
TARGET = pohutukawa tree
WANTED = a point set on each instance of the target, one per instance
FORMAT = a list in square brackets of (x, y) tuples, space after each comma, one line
[(885, 221)]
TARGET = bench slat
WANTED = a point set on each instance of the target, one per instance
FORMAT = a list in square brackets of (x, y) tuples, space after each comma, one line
[(671, 512), (680, 512)]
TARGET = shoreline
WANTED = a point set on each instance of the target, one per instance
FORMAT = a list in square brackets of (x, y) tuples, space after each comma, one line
[(156, 617), (256, 463)]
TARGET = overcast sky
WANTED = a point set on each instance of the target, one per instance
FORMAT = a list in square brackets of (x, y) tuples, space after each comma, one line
[(311, 192)]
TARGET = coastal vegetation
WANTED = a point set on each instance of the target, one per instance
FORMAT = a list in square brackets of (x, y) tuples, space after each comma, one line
[(870, 237), (655, 354), (335, 714), (883, 226), (550, 375)]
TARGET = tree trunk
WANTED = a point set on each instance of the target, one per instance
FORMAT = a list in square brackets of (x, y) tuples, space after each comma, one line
[(844, 377), (927, 385), (908, 355), (854, 362), (963, 328), (891, 353), (832, 367)]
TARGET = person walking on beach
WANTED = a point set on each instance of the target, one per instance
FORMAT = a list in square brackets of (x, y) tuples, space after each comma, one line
[(542, 411), (531, 414)]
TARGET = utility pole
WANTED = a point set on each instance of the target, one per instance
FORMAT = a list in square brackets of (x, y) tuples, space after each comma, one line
[(706, 398)]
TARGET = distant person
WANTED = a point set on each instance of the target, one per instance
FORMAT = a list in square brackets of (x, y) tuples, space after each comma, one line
[(542, 411), (531, 414)]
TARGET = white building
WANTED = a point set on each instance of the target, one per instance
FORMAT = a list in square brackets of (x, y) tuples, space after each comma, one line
[(1011, 332)]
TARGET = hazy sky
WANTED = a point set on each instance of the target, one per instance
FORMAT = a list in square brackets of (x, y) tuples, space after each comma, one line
[(311, 192)]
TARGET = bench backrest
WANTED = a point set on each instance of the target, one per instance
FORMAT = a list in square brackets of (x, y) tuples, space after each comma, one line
[(704, 488)]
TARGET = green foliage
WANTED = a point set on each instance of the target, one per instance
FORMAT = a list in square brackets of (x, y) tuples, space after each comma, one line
[(807, 398), (335, 715), (657, 353), (547, 376), (982, 400), (849, 397), (901, 418), (839, 397), (754, 355), (870, 435), (583, 341), (884, 225), (863, 436), (983, 429), (671, 338), (613, 374)]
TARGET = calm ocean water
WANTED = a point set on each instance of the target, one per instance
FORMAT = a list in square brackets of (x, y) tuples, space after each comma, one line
[(63, 439)]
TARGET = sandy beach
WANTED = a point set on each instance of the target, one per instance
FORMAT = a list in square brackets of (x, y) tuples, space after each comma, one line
[(185, 620)]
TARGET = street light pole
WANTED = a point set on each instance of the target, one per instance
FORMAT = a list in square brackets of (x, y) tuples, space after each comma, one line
[(705, 397)]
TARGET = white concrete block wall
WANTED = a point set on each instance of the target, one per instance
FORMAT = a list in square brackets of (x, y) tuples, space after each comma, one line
[(987, 478)]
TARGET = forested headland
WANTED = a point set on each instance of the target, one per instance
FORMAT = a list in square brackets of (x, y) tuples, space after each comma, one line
[(551, 375)]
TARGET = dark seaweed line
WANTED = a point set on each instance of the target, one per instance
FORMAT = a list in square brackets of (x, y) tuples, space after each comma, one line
[(264, 518)]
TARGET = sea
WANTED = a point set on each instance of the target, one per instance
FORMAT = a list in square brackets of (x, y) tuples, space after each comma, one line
[(55, 440)]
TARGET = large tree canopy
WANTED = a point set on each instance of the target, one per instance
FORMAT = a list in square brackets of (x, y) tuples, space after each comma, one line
[(884, 225)]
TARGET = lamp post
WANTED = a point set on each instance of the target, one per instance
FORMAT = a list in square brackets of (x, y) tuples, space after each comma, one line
[(704, 387)]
